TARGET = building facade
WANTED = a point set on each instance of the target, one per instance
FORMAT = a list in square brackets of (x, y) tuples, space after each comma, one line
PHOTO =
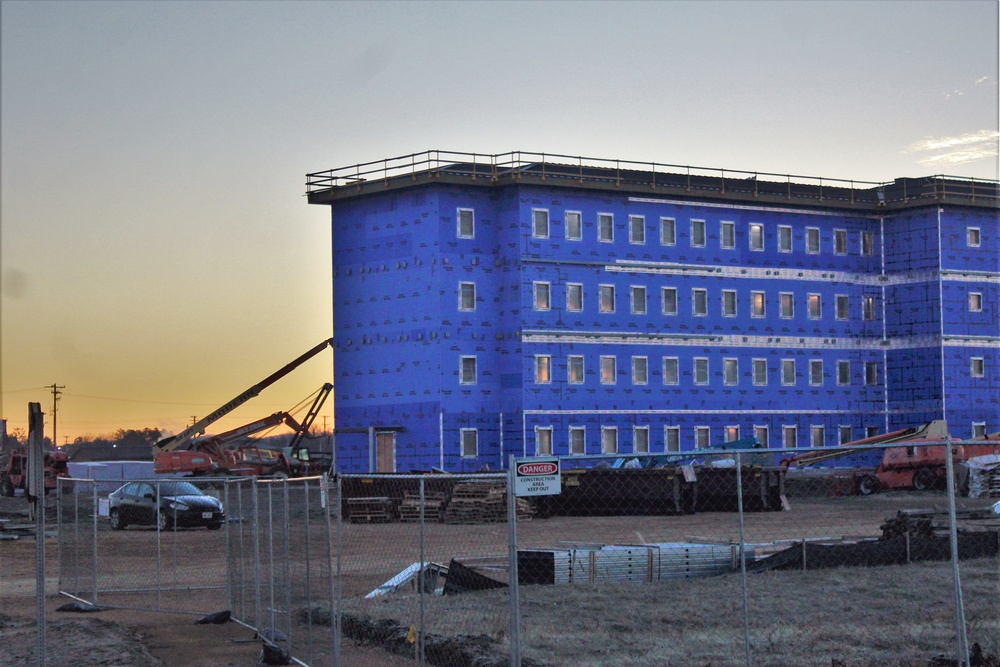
[(524, 304)]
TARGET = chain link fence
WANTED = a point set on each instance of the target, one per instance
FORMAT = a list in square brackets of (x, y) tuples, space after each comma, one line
[(724, 559)]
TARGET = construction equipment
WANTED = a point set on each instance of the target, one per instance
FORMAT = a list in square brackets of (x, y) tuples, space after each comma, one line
[(210, 456), (14, 474), (183, 439), (920, 465)]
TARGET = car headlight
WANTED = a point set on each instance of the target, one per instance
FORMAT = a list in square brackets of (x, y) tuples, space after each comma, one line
[(176, 505)]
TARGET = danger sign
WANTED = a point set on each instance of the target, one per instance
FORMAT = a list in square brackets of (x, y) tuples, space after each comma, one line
[(537, 477)]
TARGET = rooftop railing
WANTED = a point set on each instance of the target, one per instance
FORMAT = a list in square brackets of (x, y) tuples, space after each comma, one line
[(705, 180)]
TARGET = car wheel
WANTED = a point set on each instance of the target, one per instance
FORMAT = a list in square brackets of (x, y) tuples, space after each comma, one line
[(923, 479), (116, 520), (163, 521), (277, 472), (868, 485), (6, 487), (214, 525)]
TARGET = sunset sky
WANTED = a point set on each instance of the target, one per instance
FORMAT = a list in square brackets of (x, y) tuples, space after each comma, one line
[(158, 256)]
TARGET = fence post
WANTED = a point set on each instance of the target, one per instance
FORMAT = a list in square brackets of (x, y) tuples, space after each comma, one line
[(94, 512), (420, 585), (743, 561), (515, 607), (962, 639)]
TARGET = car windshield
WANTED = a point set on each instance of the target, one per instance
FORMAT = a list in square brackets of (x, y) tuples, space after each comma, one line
[(179, 489)]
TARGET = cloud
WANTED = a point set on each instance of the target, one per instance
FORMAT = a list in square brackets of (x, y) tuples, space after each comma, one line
[(959, 149)]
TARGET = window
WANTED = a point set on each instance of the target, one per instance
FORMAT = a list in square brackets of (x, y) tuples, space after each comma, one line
[(701, 370), (540, 223), (672, 438), (760, 372), (577, 440), (640, 370), (871, 373), (574, 369), (670, 371), (789, 436), (607, 298), (574, 297), (609, 439), (978, 429), (730, 372), (867, 243), (468, 372), (470, 443), (466, 223), (787, 305), (636, 229), (697, 233), (840, 241), (757, 308), (788, 372), (817, 436), (609, 371), (605, 227), (975, 302), (816, 372), (843, 307), (467, 296), (702, 437), (543, 369), (732, 433), (542, 293), (868, 307), (978, 367), (640, 439), (972, 237), (756, 236), (871, 431), (668, 297), (815, 302), (760, 432), (843, 373), (784, 238), (574, 226), (727, 234), (812, 240), (844, 434), (638, 300), (728, 303), (543, 440), (668, 231), (699, 302)]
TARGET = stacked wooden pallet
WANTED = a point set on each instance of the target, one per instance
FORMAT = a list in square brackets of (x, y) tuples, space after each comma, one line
[(478, 502), (433, 507), (370, 510)]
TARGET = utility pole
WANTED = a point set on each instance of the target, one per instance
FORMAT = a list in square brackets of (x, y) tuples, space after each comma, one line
[(194, 420), (324, 423), (55, 408)]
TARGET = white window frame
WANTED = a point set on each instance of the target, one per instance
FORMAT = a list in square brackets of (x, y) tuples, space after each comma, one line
[(758, 364), (602, 290), (815, 369), (782, 231), (977, 367), (541, 292), (975, 302), (843, 313), (758, 429), (700, 431), (610, 218), (638, 306), (636, 431), (695, 293), (699, 224), (814, 430), (570, 307), (536, 231), (732, 293), (667, 430), (663, 300), (973, 237), (753, 304), (815, 313), (607, 431), (640, 370), (724, 243), (605, 360), (978, 429), (756, 236), (578, 235), (843, 364), (868, 308), (839, 241), (639, 239), (543, 369), (462, 367), (696, 362), (867, 244), (668, 231), (786, 298), (871, 373), (731, 372), (812, 233), (539, 450), (675, 362), (841, 430), (570, 361), (573, 449), (461, 297), (731, 433), (787, 364), (464, 434), (787, 429), (472, 223)]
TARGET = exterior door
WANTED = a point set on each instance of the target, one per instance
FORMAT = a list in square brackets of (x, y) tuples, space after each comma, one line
[(385, 452)]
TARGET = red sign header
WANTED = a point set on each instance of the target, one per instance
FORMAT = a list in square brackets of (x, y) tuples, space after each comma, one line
[(532, 469)]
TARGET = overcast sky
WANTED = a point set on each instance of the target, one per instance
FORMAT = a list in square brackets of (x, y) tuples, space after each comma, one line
[(158, 256)]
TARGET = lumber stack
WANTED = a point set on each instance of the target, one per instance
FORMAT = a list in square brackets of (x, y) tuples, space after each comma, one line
[(433, 507), (371, 510), (478, 502)]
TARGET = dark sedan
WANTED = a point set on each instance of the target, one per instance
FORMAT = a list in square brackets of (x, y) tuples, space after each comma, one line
[(165, 505)]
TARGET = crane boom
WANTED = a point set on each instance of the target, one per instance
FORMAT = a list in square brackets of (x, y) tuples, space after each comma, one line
[(184, 438)]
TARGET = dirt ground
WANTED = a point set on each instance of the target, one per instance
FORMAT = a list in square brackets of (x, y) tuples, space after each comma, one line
[(613, 622)]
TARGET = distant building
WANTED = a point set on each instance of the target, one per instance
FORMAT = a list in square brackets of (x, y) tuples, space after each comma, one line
[(531, 304)]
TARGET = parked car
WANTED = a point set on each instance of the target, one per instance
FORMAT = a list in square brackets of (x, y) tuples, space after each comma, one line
[(177, 504)]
